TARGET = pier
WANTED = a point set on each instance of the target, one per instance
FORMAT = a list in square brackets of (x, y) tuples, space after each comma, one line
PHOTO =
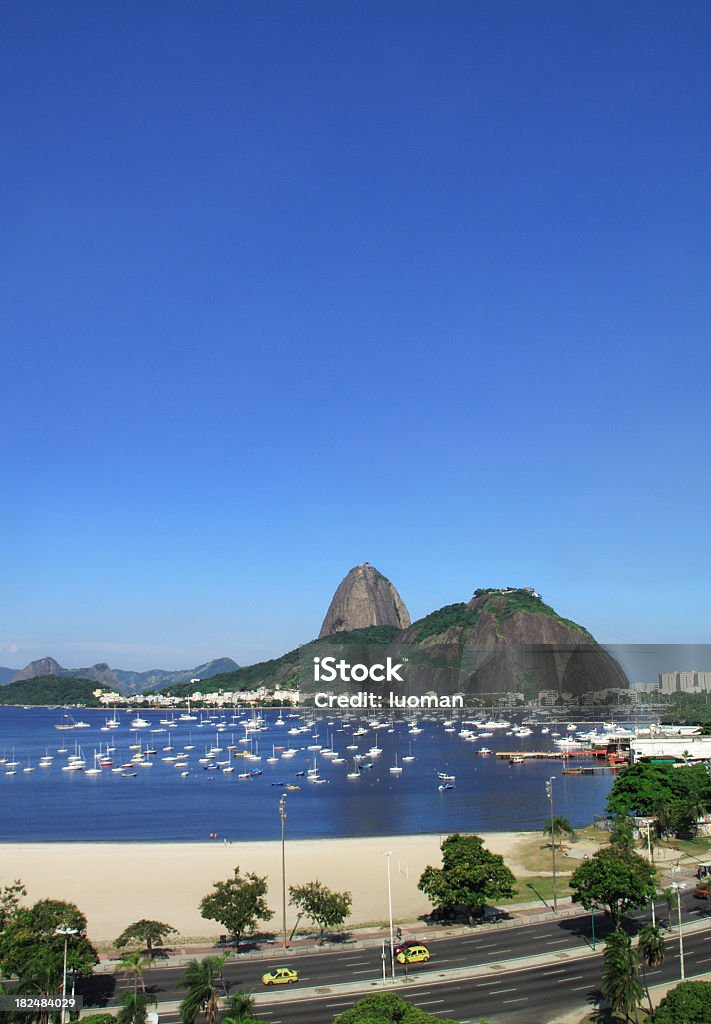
[(547, 755)]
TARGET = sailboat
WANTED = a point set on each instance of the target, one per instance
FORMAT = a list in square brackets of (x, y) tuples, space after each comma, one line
[(186, 716), (410, 756), (396, 768)]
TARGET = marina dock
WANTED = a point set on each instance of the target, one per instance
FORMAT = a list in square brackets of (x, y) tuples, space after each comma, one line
[(547, 755)]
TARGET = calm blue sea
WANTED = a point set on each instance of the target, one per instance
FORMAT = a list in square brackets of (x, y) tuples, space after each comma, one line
[(160, 804)]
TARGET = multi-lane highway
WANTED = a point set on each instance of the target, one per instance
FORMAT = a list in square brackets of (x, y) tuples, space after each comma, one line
[(519, 991), (528, 996)]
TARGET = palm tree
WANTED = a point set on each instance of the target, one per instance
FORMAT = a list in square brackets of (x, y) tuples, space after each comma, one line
[(134, 1009), (620, 983), (200, 979), (557, 828), (135, 964), (622, 834), (240, 1007), (669, 897), (651, 953), (665, 814)]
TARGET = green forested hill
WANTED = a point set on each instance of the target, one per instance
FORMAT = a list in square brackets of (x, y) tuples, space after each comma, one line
[(44, 690)]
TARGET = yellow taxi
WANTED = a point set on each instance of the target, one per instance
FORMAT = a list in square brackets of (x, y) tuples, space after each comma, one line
[(280, 976), (413, 955)]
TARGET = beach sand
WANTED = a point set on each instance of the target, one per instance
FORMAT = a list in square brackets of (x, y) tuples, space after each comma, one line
[(115, 884)]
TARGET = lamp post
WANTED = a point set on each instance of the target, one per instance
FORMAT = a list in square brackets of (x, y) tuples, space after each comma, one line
[(649, 853), (388, 855), (66, 932), (679, 886), (282, 815), (549, 794)]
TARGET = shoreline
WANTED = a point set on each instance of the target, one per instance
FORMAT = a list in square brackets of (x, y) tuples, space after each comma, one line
[(115, 884)]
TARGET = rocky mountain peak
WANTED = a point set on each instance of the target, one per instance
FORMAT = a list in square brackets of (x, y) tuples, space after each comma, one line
[(364, 598), (41, 667)]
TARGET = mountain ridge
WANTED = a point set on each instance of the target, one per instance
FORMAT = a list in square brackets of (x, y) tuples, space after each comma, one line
[(123, 680)]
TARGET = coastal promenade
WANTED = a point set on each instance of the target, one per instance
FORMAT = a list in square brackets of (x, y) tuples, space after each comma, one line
[(516, 972)]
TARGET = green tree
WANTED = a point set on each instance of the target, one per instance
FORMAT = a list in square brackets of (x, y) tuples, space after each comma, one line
[(237, 904), (622, 834), (687, 1003), (328, 909), (470, 876), (31, 949), (615, 878), (385, 1008), (134, 1008), (10, 897), (620, 983), (9, 1016), (669, 793), (239, 1010), (99, 1018), (145, 933), (558, 828), (134, 965), (201, 979), (650, 949)]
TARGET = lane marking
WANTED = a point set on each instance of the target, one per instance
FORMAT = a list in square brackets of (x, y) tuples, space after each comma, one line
[(521, 999)]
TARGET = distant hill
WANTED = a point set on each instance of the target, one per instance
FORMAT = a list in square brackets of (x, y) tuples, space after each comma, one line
[(49, 690), (6, 674), (119, 679), (504, 640)]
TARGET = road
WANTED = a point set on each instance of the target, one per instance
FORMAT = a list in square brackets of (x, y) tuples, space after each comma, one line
[(330, 968), (529, 996)]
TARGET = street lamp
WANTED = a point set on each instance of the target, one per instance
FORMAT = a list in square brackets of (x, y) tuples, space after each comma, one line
[(549, 794), (282, 815), (390, 916), (649, 852), (66, 932), (679, 886)]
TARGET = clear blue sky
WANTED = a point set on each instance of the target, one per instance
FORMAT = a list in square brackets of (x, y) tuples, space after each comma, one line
[(291, 286)]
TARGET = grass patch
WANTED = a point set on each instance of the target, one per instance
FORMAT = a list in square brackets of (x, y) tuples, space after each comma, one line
[(535, 855), (536, 887)]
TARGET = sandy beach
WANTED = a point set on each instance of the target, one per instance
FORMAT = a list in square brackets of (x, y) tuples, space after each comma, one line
[(115, 884)]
